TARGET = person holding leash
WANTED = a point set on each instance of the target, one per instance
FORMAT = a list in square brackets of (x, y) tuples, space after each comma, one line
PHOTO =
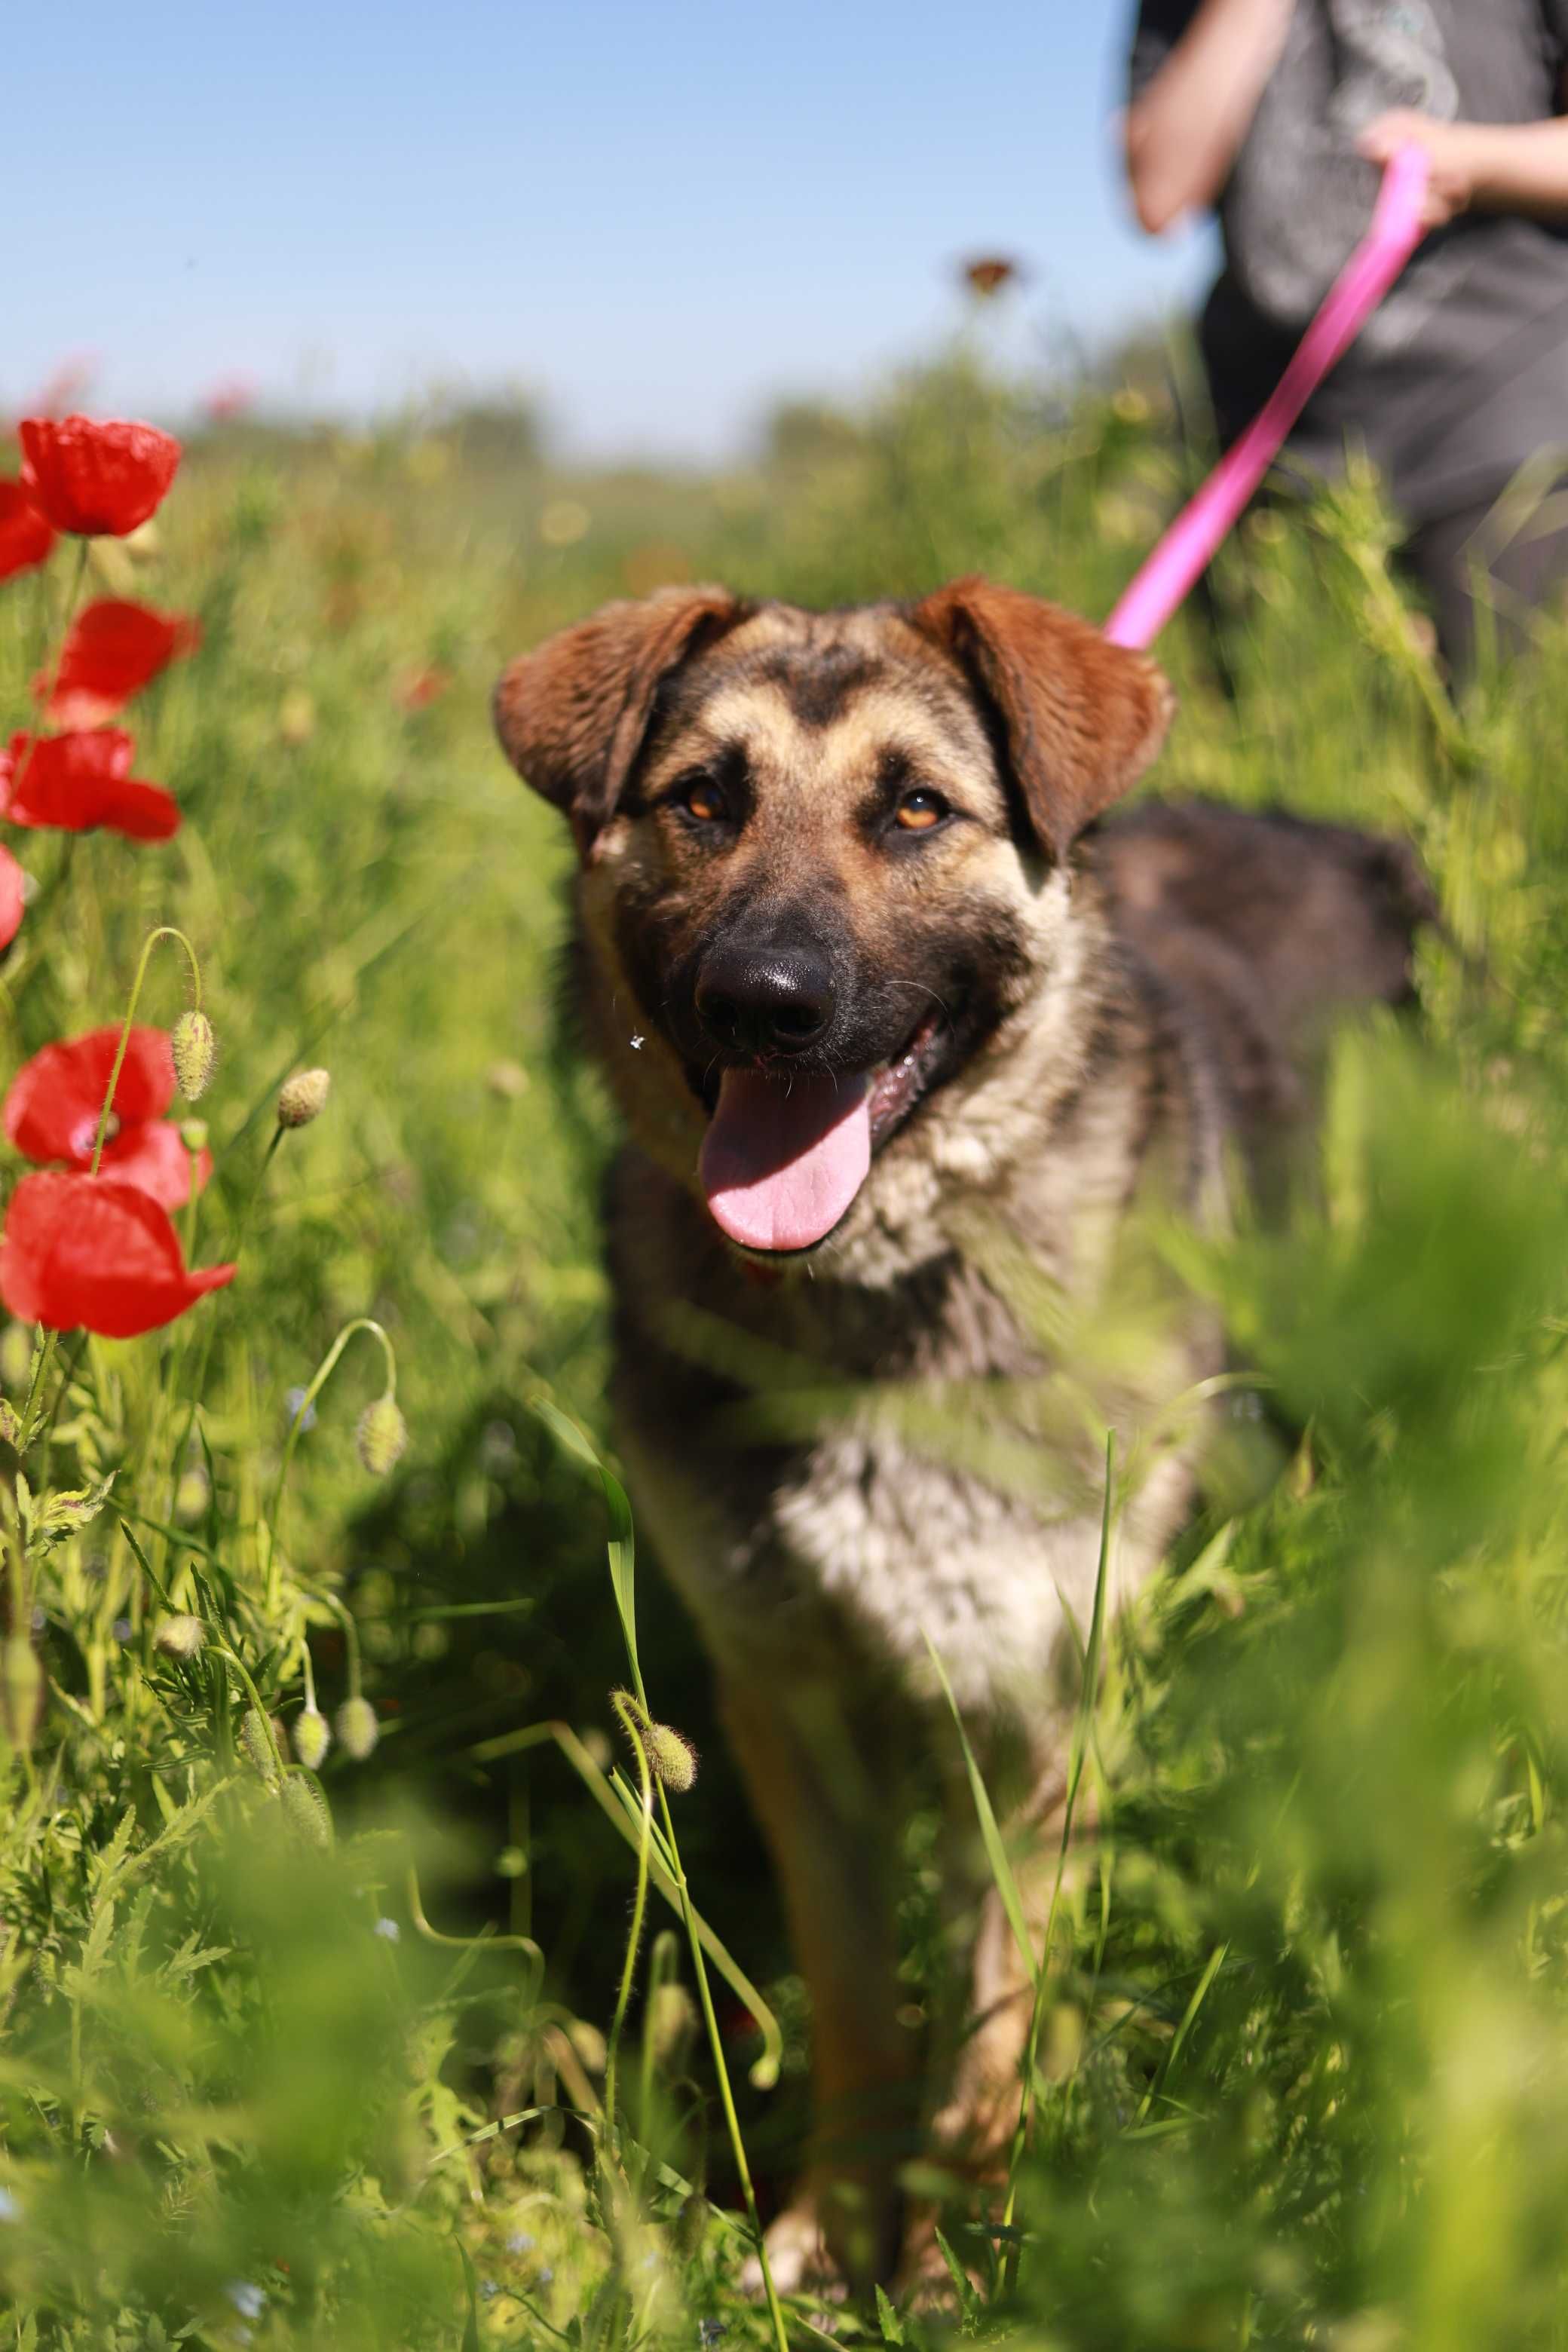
[(1278, 114)]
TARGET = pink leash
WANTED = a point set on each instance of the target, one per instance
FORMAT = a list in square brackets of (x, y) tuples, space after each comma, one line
[(1160, 585)]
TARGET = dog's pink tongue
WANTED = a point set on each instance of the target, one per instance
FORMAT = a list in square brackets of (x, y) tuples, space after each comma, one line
[(785, 1156)]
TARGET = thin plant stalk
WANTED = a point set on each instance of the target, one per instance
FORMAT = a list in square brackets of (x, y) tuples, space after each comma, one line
[(621, 1558), (73, 598), (163, 931), (240, 1232), (726, 2095), (639, 1912), (514, 1743), (661, 1973), (221, 1649), (322, 1374), (1023, 2129)]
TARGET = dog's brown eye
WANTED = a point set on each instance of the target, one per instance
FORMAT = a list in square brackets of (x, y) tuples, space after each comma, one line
[(703, 800), (917, 811)]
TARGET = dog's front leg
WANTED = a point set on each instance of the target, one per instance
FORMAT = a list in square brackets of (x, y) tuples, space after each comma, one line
[(977, 2115), (832, 1823)]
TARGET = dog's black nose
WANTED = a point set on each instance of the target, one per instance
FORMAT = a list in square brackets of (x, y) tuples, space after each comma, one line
[(764, 1000)]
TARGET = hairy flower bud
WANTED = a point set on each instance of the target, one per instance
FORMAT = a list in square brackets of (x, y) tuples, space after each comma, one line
[(180, 1637), (357, 1727), (195, 1054), (21, 1691), (670, 2024), (193, 1494), (307, 1809), (254, 1739), (303, 1097), (382, 1436), (671, 1757), (312, 1737), (692, 2225)]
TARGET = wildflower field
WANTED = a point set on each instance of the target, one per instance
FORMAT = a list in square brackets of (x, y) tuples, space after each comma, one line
[(349, 1986)]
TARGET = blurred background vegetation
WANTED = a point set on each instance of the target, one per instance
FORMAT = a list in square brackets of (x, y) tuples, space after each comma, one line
[(1305, 2057)]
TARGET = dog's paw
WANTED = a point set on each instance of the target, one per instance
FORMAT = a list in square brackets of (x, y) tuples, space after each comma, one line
[(798, 2259), (924, 2283)]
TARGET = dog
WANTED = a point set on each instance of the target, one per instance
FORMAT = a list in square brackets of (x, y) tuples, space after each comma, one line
[(915, 1055)]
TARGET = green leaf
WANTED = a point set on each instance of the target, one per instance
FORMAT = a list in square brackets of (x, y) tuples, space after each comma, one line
[(968, 2301), (1216, 1961), (471, 2288), (68, 1513), (995, 1849), (114, 1852), (621, 1546), (891, 2324)]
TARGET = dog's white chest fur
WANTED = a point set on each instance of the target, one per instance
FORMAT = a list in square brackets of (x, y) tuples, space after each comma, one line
[(910, 1548), (869, 1546)]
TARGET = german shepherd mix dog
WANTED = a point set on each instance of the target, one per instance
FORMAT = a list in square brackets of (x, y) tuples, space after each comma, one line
[(906, 1068)]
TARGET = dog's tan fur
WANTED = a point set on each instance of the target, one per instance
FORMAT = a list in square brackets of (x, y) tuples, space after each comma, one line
[(896, 1439)]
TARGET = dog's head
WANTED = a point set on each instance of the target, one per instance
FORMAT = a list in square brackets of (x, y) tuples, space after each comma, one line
[(825, 855)]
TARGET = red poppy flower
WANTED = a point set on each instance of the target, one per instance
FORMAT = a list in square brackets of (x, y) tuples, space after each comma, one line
[(52, 1109), (989, 274), (13, 898), (418, 688), (113, 651), (25, 535), (81, 781), (234, 396), (70, 381), (93, 477), (90, 1253)]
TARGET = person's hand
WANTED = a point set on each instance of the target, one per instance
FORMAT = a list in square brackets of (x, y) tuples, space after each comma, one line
[(1450, 159)]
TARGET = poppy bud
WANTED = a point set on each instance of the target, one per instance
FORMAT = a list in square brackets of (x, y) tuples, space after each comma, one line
[(193, 1134), (258, 1745), (313, 1738), (17, 1344), (180, 1637), (307, 1809), (691, 2226), (21, 1691), (193, 1494), (358, 1731), (671, 1757), (195, 1054), (296, 715), (303, 1097), (670, 2025), (382, 1436)]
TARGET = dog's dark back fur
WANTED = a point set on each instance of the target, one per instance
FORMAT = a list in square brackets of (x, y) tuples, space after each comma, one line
[(1267, 925)]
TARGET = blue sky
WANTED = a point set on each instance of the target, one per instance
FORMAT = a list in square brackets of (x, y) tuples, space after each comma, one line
[(659, 215)]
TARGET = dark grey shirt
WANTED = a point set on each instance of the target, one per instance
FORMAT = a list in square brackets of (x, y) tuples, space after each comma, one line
[(1462, 374)]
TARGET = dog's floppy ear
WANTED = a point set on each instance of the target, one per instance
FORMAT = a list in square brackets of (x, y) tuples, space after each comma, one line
[(573, 714), (1081, 717)]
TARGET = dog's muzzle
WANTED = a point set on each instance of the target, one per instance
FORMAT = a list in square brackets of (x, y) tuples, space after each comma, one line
[(764, 1000)]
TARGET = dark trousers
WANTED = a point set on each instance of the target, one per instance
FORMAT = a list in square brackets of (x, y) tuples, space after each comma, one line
[(1478, 556), (1483, 556)]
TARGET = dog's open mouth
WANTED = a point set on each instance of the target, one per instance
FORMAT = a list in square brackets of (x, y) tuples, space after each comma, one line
[(787, 1150)]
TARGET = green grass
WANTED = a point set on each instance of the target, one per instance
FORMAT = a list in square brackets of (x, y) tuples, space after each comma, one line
[(1302, 2023)]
